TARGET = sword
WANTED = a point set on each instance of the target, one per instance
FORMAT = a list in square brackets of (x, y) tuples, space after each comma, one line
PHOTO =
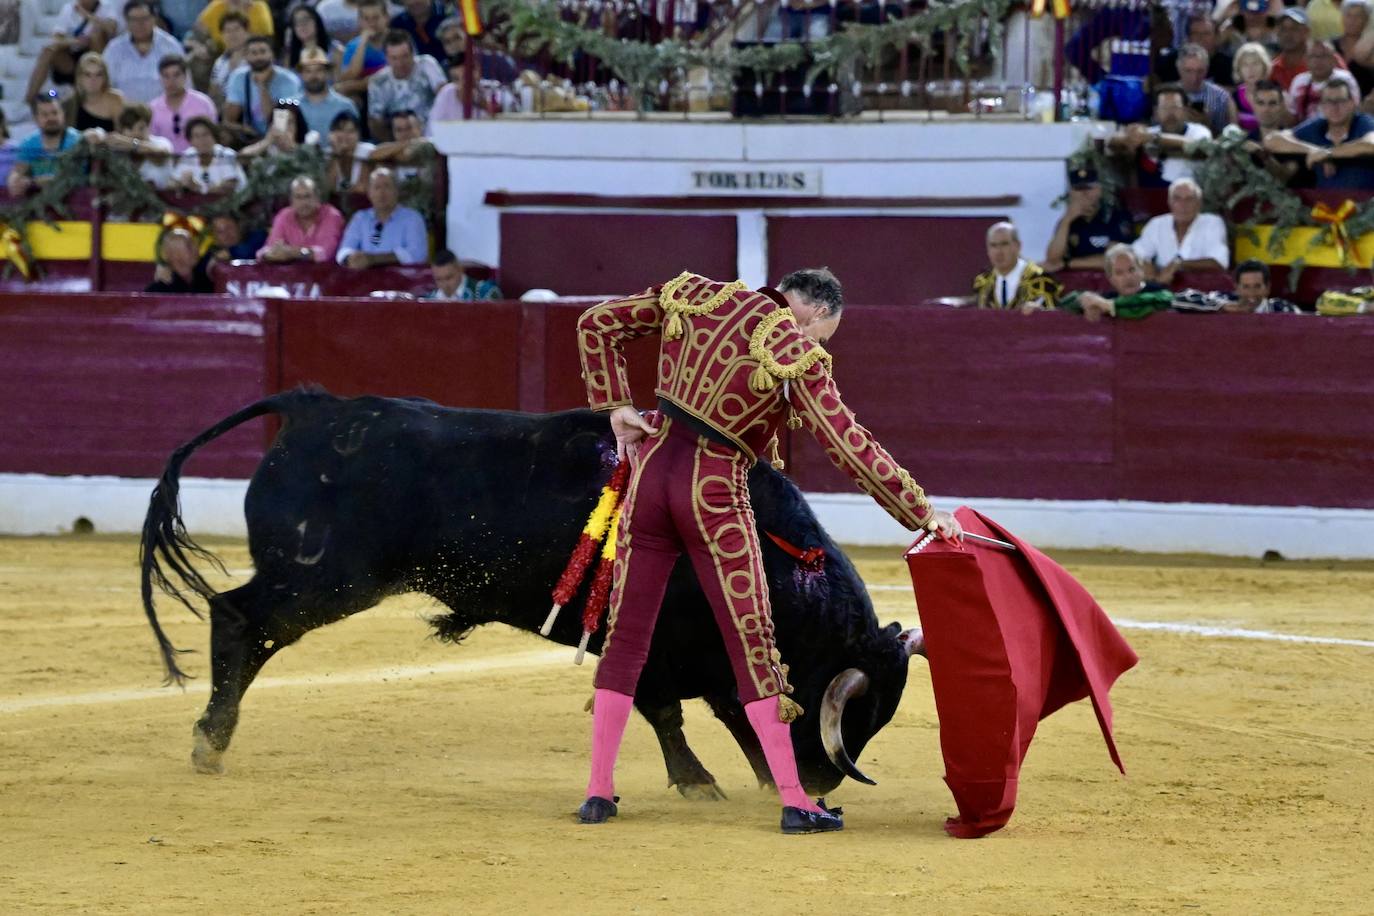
[(929, 538)]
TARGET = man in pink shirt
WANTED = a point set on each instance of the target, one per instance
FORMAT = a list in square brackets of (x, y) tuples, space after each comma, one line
[(177, 105), (307, 230)]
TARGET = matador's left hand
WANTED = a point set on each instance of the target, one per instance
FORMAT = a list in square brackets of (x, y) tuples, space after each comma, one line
[(629, 427)]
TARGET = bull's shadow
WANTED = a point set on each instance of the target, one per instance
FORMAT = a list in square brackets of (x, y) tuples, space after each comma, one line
[(359, 499)]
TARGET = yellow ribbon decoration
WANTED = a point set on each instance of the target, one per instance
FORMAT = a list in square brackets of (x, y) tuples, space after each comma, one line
[(12, 250), (192, 224), (1061, 9), (1335, 219)]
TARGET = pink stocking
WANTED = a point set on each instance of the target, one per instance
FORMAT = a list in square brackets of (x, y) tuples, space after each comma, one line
[(610, 713), (776, 738)]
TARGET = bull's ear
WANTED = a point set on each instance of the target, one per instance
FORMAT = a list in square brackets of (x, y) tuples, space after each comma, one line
[(892, 629)]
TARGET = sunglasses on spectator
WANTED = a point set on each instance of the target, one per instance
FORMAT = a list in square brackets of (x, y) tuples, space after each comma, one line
[(176, 124), (377, 234)]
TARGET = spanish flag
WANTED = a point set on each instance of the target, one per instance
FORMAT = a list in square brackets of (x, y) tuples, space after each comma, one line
[(1061, 9), (472, 17)]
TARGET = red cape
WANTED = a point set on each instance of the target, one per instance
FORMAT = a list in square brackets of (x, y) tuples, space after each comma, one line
[(1010, 637)]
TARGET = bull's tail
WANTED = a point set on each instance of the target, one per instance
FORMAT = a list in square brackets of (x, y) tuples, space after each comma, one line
[(166, 549)]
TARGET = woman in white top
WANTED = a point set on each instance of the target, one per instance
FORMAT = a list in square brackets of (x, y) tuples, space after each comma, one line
[(207, 167), (282, 139), (348, 159), (1185, 238)]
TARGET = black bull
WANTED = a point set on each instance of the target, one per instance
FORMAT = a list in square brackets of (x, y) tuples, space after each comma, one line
[(359, 499)]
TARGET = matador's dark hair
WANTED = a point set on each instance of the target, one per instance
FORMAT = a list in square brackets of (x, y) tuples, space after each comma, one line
[(817, 284)]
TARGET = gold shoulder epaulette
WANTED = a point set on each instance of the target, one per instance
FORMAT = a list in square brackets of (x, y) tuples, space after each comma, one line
[(761, 379), (674, 308)]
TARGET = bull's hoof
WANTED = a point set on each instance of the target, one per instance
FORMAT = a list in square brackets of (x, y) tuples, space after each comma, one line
[(701, 791), (204, 757)]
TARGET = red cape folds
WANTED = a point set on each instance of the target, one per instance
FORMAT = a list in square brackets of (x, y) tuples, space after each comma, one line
[(1010, 637)]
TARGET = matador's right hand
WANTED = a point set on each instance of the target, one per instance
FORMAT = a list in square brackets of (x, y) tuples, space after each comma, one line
[(629, 427)]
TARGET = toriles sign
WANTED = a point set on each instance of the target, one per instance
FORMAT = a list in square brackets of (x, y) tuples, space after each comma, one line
[(803, 182)]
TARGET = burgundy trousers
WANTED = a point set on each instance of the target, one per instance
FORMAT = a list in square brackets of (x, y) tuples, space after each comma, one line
[(689, 494)]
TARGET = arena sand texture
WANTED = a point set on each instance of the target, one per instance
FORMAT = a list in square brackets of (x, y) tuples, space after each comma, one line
[(356, 790)]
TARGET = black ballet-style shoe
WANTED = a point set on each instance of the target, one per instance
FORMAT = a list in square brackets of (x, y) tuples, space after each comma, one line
[(597, 810), (799, 820)]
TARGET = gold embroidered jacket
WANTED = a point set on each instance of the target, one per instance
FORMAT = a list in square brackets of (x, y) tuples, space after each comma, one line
[(737, 361), (1035, 284)]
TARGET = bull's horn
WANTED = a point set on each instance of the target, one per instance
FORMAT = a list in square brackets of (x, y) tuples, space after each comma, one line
[(913, 641), (850, 682)]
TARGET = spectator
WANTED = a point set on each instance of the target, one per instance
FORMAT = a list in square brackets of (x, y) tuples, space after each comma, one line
[(366, 54), (255, 88), (306, 30), (1305, 92), (385, 233), (133, 56), (1162, 151), (36, 158), (1130, 24), (82, 26), (1252, 65), (348, 155), (229, 241), (1293, 37), (340, 18), (1208, 103), (207, 167), (178, 104), (1202, 31), (1324, 18), (320, 105), (1272, 117), (287, 134), (453, 41), (1354, 47), (307, 230), (421, 20), (95, 103), (1088, 227), (152, 154), (1185, 238), (1248, 21), (406, 83), (448, 101), (451, 283), (233, 31), (1131, 296), (1012, 282), (1336, 144), (181, 268), (257, 12), (406, 148), (1252, 293)]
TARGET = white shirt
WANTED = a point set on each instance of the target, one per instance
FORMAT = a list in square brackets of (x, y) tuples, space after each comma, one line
[(1206, 238), (1008, 281), (223, 166), (68, 20), (158, 174), (135, 74), (1175, 166)]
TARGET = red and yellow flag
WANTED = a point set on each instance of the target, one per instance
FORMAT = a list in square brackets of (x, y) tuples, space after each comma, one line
[(1061, 9), (472, 17)]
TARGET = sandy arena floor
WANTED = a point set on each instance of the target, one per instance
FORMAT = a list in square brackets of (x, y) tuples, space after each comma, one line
[(354, 789)]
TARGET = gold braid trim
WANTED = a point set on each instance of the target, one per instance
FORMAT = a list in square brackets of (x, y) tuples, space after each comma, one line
[(904, 476), (675, 308), (761, 379)]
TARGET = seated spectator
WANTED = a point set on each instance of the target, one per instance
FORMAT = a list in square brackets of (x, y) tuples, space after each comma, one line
[(1162, 152), (366, 54), (133, 56), (1088, 227), (1208, 103), (1247, 21), (229, 241), (406, 83), (453, 41), (1355, 47), (178, 104), (1012, 282), (385, 233), (1201, 31), (1305, 92), (306, 31), (448, 101), (152, 154), (257, 12), (233, 31), (94, 103), (181, 268), (1271, 116), (1252, 65), (406, 148), (1336, 144), (1185, 238), (421, 20), (340, 18), (1293, 36), (320, 104), (255, 88), (349, 156), (207, 167), (36, 158), (451, 283), (82, 26), (1252, 293), (1131, 295), (307, 230), (286, 135)]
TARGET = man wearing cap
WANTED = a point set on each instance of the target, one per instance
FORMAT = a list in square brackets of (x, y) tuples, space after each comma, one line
[(1249, 20), (1088, 227), (320, 104), (1012, 282), (1293, 36)]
